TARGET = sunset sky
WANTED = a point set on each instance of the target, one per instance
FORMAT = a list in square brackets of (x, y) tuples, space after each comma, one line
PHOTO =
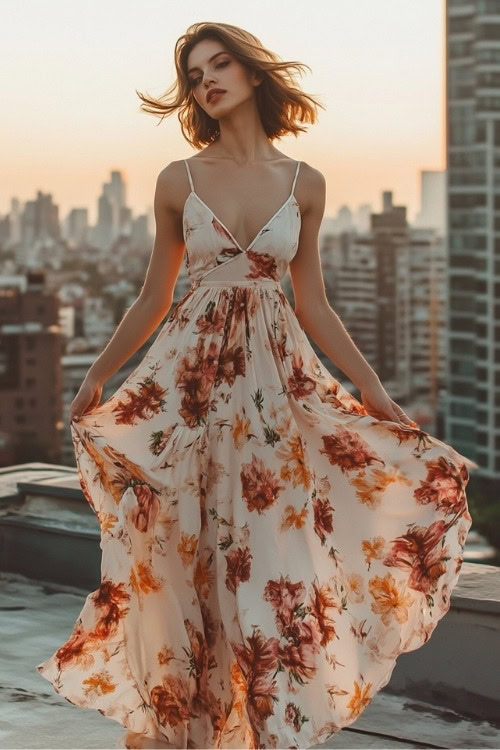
[(70, 113)]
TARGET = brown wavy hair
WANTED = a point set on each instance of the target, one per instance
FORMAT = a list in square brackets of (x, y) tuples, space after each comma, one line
[(281, 104)]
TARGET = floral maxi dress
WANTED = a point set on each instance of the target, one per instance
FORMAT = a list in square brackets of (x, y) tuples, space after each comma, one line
[(268, 547)]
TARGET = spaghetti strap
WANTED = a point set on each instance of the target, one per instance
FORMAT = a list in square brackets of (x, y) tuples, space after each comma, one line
[(189, 175), (295, 178)]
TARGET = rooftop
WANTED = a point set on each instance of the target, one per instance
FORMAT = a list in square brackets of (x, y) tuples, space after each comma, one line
[(443, 695)]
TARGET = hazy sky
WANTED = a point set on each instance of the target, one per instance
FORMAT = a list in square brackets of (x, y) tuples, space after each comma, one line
[(70, 113)]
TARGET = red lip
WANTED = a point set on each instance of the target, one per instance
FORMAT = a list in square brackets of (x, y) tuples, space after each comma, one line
[(214, 91)]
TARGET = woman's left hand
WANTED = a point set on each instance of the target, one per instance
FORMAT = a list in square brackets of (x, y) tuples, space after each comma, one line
[(378, 404)]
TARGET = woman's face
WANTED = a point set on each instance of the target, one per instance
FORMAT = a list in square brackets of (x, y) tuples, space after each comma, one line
[(211, 67)]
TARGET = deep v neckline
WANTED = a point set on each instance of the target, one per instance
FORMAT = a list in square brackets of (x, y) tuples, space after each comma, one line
[(230, 234), (233, 238)]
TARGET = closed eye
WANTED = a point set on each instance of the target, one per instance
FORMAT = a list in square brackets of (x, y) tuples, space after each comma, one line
[(194, 81)]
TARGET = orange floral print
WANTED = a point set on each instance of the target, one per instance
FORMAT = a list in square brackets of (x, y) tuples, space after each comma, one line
[(391, 600)]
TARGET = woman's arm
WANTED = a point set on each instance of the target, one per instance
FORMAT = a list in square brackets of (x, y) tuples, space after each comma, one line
[(311, 303), (155, 298)]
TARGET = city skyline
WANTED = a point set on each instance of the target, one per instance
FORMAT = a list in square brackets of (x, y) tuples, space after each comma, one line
[(66, 127), (431, 211)]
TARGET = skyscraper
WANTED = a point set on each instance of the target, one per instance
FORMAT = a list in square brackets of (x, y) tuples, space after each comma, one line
[(472, 418)]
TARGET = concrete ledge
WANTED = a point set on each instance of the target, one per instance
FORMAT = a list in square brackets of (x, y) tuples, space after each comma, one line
[(459, 666), (41, 551), (478, 588)]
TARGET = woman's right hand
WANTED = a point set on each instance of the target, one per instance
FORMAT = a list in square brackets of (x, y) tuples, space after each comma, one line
[(86, 399)]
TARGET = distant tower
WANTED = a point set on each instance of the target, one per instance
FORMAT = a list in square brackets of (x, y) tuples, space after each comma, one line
[(432, 214), (111, 211)]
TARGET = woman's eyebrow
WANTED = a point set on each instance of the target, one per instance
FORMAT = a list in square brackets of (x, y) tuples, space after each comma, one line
[(222, 52)]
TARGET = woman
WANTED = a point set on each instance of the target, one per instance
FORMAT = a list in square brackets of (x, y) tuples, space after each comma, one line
[(270, 544)]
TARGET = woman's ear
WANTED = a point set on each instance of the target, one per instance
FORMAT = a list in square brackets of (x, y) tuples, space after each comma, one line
[(258, 77)]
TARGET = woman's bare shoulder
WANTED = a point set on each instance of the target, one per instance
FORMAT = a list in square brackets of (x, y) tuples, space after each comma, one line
[(311, 188), (311, 176), (173, 172), (173, 184)]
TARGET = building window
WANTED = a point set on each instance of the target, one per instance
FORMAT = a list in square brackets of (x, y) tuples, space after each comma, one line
[(464, 346), (464, 410), (462, 323), (460, 389), (464, 367), (482, 437), (482, 395), (460, 432), (482, 374), (481, 352)]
